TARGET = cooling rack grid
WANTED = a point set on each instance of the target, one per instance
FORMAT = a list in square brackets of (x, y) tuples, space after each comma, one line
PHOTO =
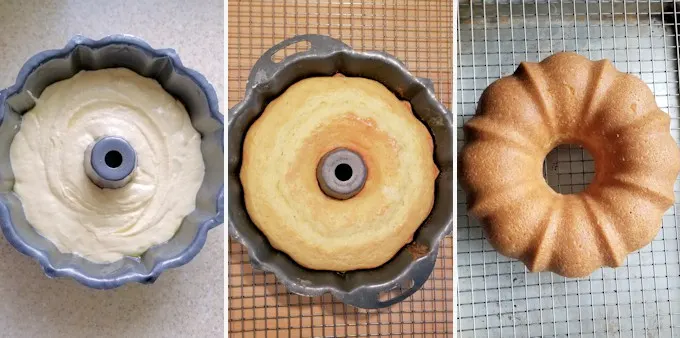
[(496, 296)]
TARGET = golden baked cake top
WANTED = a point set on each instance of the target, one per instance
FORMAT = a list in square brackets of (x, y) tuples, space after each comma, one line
[(281, 154)]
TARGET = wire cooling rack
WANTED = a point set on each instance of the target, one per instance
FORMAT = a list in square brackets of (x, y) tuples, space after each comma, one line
[(497, 297), (419, 33)]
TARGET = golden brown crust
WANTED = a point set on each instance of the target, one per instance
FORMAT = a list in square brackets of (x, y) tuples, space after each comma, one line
[(567, 98), (281, 153)]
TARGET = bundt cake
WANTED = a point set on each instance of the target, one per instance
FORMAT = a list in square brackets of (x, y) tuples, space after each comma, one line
[(568, 99), (338, 126)]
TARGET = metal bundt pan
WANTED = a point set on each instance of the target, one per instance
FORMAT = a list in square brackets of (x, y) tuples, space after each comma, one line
[(403, 274), (188, 86)]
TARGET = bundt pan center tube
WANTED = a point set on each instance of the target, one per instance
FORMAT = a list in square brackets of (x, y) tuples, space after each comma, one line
[(341, 173), (111, 164)]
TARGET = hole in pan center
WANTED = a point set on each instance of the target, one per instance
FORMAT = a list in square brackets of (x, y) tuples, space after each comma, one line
[(113, 159), (343, 172)]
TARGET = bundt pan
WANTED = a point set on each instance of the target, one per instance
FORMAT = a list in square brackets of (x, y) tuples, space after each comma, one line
[(406, 272), (188, 86)]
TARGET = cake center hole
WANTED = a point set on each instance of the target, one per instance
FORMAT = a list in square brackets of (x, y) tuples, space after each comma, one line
[(569, 168), (113, 159), (343, 172)]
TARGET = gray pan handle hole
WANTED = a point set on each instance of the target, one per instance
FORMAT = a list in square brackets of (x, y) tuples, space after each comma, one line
[(298, 47), (397, 294), (386, 297), (267, 66), (373, 298)]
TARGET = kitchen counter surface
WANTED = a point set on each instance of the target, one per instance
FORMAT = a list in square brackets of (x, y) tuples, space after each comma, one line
[(183, 302)]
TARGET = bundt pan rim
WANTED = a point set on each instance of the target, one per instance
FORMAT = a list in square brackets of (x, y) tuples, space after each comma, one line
[(209, 121), (326, 57)]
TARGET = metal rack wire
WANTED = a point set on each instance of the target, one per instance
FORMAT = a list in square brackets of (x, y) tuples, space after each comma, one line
[(420, 34), (497, 297)]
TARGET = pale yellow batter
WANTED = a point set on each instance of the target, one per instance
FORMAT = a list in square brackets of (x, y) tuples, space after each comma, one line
[(61, 202)]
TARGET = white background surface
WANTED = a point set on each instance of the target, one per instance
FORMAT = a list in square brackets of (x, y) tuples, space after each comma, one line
[(187, 301)]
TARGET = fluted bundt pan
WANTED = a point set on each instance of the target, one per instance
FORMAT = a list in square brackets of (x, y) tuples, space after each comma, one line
[(405, 273), (188, 86)]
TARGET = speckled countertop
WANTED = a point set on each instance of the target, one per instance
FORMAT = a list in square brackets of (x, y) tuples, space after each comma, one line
[(184, 302)]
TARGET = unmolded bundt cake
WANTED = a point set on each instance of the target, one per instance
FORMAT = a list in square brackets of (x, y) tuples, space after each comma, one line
[(568, 99), (314, 118)]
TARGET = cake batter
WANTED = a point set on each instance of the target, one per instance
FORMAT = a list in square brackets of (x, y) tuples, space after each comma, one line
[(60, 201)]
